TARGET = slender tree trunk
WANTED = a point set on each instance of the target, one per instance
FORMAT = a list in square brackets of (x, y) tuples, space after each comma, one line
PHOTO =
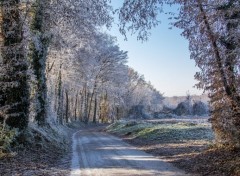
[(76, 105), (95, 110), (67, 107), (105, 109), (100, 111), (14, 90), (60, 97), (56, 97), (86, 98), (70, 107), (117, 113), (86, 108), (81, 105), (91, 100)]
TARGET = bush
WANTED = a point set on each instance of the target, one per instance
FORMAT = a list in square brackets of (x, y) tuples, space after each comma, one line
[(199, 108), (7, 136), (166, 110), (183, 108), (138, 112)]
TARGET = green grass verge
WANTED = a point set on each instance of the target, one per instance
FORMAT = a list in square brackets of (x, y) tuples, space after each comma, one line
[(165, 132)]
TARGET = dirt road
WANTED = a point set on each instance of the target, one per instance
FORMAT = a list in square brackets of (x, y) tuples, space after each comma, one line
[(100, 154)]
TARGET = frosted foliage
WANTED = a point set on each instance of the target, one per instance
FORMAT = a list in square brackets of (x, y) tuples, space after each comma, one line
[(70, 70)]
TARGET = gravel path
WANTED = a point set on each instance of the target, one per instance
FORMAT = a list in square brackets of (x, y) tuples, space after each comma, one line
[(98, 153)]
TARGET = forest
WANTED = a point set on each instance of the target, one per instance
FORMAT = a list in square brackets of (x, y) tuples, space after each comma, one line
[(58, 66)]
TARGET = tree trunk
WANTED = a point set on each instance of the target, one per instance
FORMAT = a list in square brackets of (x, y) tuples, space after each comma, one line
[(105, 109), (76, 105), (81, 105), (60, 97), (67, 106), (91, 100), (117, 113), (14, 90), (86, 98), (95, 110), (86, 108), (100, 111), (38, 57)]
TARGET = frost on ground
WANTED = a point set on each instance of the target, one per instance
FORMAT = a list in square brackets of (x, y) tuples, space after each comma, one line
[(164, 131), (44, 151), (186, 144)]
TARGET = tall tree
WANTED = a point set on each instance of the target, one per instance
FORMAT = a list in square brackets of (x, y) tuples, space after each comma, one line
[(214, 52), (38, 54), (14, 91)]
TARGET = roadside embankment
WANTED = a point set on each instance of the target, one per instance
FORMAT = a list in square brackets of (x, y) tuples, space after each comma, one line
[(40, 151)]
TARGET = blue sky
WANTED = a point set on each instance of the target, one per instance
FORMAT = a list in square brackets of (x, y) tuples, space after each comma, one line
[(164, 59)]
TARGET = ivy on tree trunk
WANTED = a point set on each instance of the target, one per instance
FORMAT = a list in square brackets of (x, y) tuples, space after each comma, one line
[(14, 90), (38, 54)]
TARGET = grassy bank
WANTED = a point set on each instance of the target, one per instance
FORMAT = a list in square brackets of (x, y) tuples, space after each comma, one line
[(163, 132), (188, 145), (40, 151)]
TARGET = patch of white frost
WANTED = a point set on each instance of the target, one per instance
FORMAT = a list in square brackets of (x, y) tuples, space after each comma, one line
[(75, 165)]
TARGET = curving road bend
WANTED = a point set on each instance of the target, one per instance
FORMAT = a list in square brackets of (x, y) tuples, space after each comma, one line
[(100, 154)]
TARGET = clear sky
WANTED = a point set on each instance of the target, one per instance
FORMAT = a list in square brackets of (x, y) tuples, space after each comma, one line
[(164, 59)]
